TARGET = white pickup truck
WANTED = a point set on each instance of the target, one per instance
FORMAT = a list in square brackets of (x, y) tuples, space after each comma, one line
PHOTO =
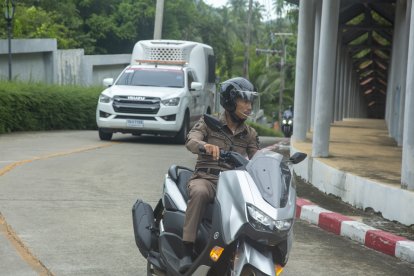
[(167, 87)]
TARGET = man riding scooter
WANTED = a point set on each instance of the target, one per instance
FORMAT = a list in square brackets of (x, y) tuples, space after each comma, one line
[(287, 122), (236, 97)]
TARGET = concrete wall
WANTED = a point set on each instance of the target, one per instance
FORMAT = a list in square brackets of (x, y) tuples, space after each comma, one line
[(98, 67), (32, 59), (39, 60), (392, 202), (69, 66)]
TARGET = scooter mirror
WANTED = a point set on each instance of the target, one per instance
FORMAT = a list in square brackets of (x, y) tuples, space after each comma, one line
[(212, 122), (297, 157)]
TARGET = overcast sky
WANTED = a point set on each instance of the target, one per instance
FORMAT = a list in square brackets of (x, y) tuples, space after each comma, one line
[(266, 3)]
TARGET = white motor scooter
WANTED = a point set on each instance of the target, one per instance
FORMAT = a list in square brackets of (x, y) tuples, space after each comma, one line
[(247, 230)]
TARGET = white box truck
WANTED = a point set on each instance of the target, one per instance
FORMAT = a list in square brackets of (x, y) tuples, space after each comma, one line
[(167, 87)]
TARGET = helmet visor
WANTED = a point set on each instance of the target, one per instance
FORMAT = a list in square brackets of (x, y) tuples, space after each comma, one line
[(250, 96), (253, 98)]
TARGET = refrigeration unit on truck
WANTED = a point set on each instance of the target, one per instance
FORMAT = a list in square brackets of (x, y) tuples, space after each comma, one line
[(167, 87)]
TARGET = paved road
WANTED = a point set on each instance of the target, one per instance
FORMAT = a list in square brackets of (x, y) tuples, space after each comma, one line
[(65, 209)]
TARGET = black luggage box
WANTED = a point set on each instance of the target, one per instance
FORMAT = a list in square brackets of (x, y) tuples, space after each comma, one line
[(143, 222)]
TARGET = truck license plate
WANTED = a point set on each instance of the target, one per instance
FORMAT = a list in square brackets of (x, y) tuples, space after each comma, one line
[(135, 123)]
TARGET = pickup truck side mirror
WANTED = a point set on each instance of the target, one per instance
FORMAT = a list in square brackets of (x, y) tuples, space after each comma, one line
[(196, 86), (108, 82)]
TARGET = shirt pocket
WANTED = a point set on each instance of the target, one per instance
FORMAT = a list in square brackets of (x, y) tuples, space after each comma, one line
[(217, 139), (240, 146)]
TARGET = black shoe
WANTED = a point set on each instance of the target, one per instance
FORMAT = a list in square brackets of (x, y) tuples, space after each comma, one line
[(185, 264), (186, 261)]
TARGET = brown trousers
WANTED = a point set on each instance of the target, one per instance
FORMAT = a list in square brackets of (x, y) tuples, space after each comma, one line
[(201, 191)]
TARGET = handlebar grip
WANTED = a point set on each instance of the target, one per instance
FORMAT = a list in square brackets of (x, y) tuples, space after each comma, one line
[(201, 149), (224, 153)]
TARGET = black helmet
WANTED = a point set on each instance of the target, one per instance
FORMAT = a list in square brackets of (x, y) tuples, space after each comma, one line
[(235, 88)]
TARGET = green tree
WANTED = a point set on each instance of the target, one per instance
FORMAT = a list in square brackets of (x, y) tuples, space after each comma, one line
[(34, 22), (114, 26)]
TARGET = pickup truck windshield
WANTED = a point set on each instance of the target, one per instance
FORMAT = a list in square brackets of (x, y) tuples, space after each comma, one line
[(151, 77)]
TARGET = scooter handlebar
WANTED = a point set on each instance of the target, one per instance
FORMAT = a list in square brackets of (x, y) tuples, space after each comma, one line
[(223, 153), (230, 157)]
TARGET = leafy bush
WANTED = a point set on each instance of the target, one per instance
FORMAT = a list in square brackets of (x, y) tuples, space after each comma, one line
[(35, 106), (265, 131)]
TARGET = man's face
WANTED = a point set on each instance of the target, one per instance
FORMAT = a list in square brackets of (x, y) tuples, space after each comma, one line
[(243, 108)]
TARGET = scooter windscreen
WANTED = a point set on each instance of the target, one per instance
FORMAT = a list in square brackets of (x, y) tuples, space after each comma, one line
[(265, 169)]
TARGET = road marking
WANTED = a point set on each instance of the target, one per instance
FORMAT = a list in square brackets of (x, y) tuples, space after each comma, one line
[(21, 249), (7, 230), (11, 166)]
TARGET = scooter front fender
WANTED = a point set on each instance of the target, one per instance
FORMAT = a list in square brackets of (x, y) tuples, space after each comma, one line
[(248, 255)]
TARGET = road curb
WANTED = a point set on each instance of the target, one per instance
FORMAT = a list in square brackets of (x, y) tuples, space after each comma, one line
[(371, 237), (338, 224)]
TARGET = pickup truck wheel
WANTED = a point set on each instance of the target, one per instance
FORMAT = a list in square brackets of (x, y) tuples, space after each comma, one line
[(181, 136), (105, 136)]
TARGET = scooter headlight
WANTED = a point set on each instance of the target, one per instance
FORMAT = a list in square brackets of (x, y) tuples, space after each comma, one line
[(260, 221), (284, 121), (290, 122)]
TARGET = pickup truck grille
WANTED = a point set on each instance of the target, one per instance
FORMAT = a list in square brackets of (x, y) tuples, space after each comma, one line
[(136, 105)]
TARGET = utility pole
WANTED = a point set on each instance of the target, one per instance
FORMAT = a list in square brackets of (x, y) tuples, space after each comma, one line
[(282, 71), (8, 15), (268, 52), (159, 12), (247, 42)]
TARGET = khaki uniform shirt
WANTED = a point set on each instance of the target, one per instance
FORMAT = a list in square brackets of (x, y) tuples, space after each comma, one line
[(245, 142)]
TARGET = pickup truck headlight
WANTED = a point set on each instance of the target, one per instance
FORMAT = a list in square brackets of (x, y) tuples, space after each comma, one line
[(104, 98), (171, 102), (263, 222)]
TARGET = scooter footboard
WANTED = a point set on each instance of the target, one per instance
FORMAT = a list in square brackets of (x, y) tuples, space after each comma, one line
[(248, 255), (143, 222)]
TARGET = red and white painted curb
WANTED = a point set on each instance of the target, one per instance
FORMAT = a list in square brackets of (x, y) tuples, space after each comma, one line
[(371, 237)]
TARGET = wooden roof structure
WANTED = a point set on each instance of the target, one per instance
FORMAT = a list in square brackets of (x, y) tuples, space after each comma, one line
[(366, 31)]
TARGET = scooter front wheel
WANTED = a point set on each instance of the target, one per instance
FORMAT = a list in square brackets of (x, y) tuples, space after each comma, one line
[(151, 270), (251, 271)]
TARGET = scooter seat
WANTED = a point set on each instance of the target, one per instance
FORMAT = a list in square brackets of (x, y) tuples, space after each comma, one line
[(181, 175), (183, 178)]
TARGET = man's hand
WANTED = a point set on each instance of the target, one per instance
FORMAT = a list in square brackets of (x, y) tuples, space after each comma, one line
[(213, 150)]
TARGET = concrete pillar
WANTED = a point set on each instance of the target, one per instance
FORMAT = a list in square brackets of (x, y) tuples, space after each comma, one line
[(351, 91), (325, 79), (352, 102), (359, 98), (391, 73), (345, 85), (337, 80), (318, 16), (342, 90), (356, 97), (351, 95), (405, 31), (347, 90), (407, 170), (304, 60), (159, 14), (394, 83)]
